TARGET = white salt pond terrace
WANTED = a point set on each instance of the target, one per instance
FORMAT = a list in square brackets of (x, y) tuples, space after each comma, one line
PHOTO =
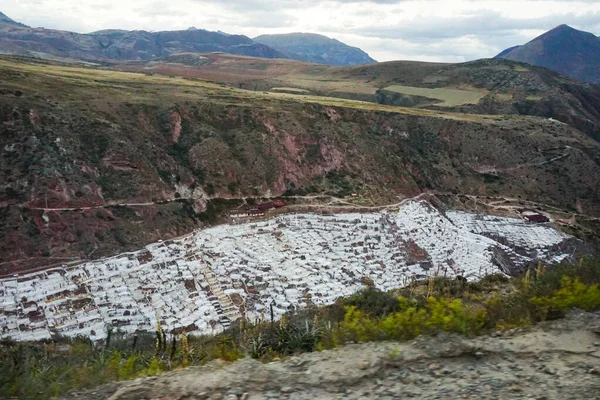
[(212, 277)]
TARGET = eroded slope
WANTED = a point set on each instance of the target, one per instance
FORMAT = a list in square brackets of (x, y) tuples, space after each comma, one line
[(97, 162)]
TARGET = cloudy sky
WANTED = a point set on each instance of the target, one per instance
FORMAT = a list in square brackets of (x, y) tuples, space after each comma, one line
[(430, 30)]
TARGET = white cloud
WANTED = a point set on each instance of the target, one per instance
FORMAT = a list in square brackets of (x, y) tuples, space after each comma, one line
[(431, 30)]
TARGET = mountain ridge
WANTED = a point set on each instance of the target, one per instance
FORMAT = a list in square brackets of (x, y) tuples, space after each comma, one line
[(116, 44), (315, 48), (562, 49), (4, 19), (157, 156), (108, 45)]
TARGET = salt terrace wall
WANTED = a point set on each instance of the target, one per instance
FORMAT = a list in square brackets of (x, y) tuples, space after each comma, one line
[(214, 276)]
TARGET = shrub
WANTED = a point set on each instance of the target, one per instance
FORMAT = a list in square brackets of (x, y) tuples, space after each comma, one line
[(572, 293), (357, 326), (373, 302), (453, 316), (405, 324)]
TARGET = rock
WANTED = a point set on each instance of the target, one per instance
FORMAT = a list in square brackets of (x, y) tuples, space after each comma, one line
[(363, 365), (216, 396), (237, 391), (479, 354), (549, 371), (244, 396), (286, 389), (434, 367)]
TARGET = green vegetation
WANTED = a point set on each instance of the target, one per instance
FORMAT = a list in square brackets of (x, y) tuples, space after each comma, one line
[(49, 369), (216, 208)]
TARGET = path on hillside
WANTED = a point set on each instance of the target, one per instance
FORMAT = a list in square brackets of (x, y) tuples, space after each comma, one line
[(565, 154), (553, 361)]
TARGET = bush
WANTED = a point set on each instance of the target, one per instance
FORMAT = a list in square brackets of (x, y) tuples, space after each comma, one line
[(412, 321), (373, 302), (572, 293)]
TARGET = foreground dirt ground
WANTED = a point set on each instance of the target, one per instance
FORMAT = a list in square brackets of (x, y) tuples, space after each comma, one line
[(554, 360)]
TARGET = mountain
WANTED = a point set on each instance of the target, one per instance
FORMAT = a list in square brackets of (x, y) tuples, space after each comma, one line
[(4, 20), (563, 49), (314, 48), (113, 44), (96, 161)]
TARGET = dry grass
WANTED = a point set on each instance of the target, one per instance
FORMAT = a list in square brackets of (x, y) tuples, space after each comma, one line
[(289, 90), (534, 98), (101, 86), (504, 96), (450, 97)]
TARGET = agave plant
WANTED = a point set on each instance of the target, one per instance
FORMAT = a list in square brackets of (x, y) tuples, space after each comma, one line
[(256, 346), (294, 338)]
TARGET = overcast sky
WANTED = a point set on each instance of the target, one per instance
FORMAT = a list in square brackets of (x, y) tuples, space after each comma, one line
[(429, 30)]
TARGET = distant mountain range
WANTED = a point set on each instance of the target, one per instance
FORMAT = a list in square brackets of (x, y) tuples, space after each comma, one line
[(119, 45), (315, 48), (116, 44), (563, 49)]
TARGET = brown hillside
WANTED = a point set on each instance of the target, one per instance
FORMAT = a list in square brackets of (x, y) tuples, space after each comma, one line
[(499, 86), (96, 162)]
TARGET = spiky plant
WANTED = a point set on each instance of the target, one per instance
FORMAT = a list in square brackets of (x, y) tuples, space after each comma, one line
[(256, 346)]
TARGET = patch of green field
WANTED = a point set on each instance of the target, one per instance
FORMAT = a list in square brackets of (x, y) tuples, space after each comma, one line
[(450, 97), (534, 98), (504, 96), (519, 68)]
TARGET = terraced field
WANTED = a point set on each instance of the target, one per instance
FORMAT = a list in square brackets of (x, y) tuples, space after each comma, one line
[(211, 277)]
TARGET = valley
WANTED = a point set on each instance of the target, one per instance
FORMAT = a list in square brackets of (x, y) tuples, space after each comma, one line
[(184, 199), (97, 162)]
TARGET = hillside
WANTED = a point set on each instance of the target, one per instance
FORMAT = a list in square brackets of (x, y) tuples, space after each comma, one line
[(97, 162), (313, 48), (495, 86), (563, 49), (111, 45)]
